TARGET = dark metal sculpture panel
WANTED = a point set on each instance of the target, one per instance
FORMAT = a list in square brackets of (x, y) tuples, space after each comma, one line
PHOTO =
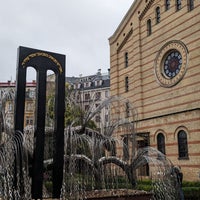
[(42, 61)]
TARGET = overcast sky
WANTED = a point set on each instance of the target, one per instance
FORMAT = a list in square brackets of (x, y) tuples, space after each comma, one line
[(77, 28)]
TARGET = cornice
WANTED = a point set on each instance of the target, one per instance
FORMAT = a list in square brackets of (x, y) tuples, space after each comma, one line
[(146, 9), (124, 40), (124, 21), (133, 9), (168, 114)]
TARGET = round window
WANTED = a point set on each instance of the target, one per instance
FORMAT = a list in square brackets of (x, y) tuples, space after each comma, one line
[(171, 63)]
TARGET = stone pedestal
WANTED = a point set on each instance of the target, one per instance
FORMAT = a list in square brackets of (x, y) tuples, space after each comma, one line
[(120, 194)]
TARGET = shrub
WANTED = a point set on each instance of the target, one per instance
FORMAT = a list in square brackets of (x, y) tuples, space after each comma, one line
[(144, 185), (147, 188), (191, 184), (49, 186), (191, 193), (191, 190)]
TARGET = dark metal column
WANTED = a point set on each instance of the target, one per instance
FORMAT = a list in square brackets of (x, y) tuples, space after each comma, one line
[(58, 158), (20, 98), (19, 120), (39, 137)]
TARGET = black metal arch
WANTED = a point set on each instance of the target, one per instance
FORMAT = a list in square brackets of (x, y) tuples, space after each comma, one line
[(42, 61)]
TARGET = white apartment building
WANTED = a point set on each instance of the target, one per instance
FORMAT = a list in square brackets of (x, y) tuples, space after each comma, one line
[(92, 90)]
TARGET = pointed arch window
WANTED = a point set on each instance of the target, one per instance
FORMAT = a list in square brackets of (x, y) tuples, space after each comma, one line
[(167, 4), (157, 15), (190, 5), (178, 5), (182, 145), (161, 143), (149, 29)]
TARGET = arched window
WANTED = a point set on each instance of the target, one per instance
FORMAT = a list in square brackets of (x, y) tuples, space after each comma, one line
[(161, 143), (190, 5), (149, 30), (113, 148), (157, 15), (167, 4), (127, 109), (126, 84), (182, 144), (125, 148), (126, 59), (178, 5)]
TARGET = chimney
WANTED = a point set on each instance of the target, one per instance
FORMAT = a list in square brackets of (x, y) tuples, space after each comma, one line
[(99, 72), (109, 72)]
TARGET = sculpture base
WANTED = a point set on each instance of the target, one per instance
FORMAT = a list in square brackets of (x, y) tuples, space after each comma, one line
[(115, 194), (119, 194)]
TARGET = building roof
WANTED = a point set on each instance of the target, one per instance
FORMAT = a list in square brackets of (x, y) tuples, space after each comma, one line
[(98, 80), (13, 84)]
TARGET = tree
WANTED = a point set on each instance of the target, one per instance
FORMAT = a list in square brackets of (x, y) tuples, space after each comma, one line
[(74, 112)]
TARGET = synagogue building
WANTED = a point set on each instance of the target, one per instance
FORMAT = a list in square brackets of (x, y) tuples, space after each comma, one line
[(155, 65)]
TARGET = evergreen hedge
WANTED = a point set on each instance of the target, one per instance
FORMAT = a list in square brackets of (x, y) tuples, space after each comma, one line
[(191, 190)]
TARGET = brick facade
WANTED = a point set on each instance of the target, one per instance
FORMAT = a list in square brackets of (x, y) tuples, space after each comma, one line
[(139, 48)]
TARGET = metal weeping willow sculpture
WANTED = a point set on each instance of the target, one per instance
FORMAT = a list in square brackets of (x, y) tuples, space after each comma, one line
[(85, 161)]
